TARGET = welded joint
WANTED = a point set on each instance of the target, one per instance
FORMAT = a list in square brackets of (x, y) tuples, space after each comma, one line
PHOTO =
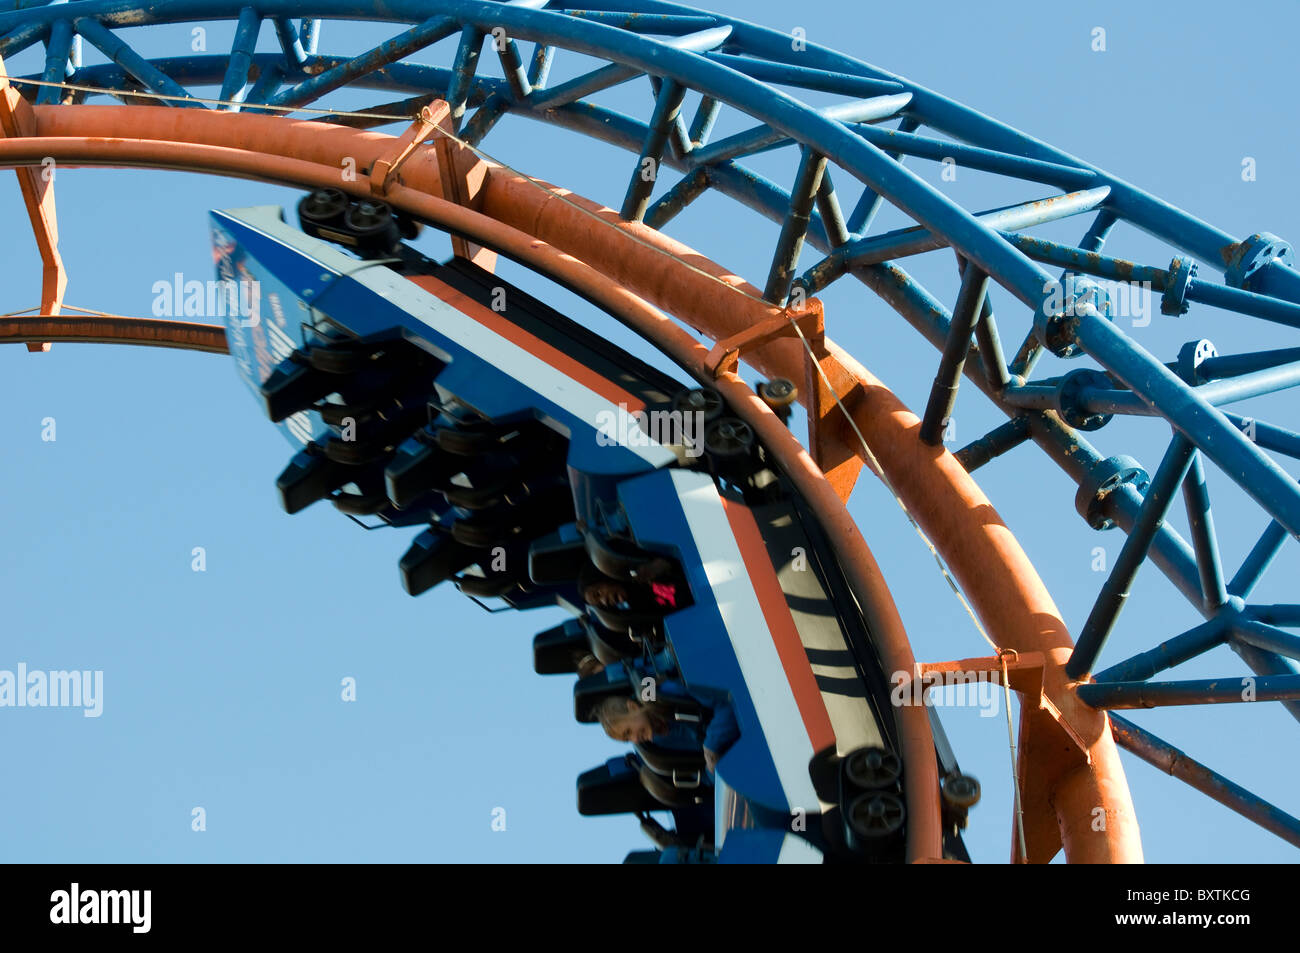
[(385, 169), (1024, 675), (724, 356)]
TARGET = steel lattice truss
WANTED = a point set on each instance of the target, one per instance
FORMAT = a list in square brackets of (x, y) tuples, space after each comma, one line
[(879, 121)]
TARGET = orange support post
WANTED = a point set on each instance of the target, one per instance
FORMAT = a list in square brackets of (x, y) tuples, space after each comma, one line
[(37, 186)]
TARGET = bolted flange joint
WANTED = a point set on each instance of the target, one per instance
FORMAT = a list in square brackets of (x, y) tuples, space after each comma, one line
[(1067, 303), (1104, 478)]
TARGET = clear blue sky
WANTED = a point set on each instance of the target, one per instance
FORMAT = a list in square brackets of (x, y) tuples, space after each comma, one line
[(222, 688)]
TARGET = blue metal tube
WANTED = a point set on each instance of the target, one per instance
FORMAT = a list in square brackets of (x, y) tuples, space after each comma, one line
[(1092, 242), (1171, 652), (990, 349), (828, 203), (916, 240), (1192, 416), (1067, 447), (290, 42), (463, 68), (23, 36), (1232, 365), (1176, 763), (1268, 664), (647, 22), (763, 138), (1244, 302), (667, 106), (1068, 178), (512, 66), (943, 392), (688, 189), (57, 48), (1087, 262), (1114, 591), (679, 140), (864, 213), (1197, 498), (1103, 400), (310, 33), (601, 78), (426, 34), (1275, 614), (1252, 384), (131, 61), (807, 184), (1031, 396), (1203, 691), (1264, 636), (825, 81), (993, 444), (241, 54), (702, 125), (539, 69), (1257, 560), (611, 75)]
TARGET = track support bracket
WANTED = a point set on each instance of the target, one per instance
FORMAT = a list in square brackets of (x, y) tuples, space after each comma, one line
[(17, 120)]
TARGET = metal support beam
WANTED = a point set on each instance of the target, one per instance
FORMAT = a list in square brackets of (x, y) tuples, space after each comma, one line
[(417, 38), (1257, 561), (943, 393), (993, 444), (135, 64), (1115, 591), (463, 67), (1197, 498), (18, 121), (1264, 636), (58, 47), (687, 190), (668, 105), (1201, 691), (235, 83), (1171, 652), (1176, 763), (1266, 663), (1257, 473), (785, 258)]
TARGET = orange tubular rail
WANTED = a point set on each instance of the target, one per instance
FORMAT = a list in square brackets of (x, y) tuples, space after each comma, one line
[(1070, 766)]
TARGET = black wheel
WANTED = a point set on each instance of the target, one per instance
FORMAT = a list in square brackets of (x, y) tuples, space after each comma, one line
[(700, 400), (961, 790), (473, 498), (481, 535), (323, 207), (485, 587), (369, 219), (469, 441), (873, 769), (359, 505), (728, 437), (351, 452), (876, 816), (340, 358), (778, 392)]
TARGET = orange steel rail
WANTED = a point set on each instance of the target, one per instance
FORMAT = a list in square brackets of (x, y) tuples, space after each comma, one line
[(1070, 769)]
